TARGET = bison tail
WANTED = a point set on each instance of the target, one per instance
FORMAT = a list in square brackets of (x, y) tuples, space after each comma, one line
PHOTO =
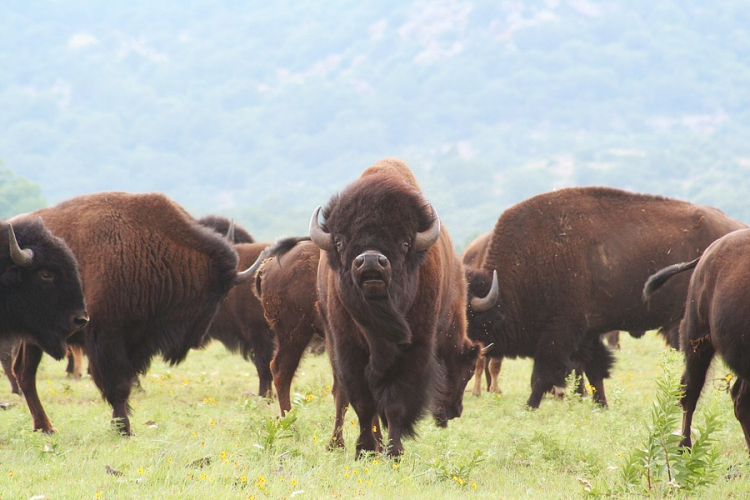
[(657, 280), (282, 246)]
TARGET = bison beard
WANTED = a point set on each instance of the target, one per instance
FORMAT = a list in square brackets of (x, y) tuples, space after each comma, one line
[(392, 293)]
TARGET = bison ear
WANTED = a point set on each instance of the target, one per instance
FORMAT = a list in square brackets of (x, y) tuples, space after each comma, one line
[(472, 351)]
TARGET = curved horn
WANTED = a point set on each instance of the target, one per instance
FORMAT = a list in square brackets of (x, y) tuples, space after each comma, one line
[(22, 258), (425, 239), (481, 304), (230, 231), (318, 236), (246, 275), (486, 348)]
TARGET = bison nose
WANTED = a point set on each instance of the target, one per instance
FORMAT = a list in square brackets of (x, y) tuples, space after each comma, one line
[(79, 320), (369, 261)]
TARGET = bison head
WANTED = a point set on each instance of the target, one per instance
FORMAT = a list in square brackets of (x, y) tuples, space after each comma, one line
[(40, 288), (458, 367), (484, 313), (376, 236)]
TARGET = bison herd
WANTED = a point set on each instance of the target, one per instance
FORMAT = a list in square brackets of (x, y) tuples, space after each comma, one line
[(406, 322)]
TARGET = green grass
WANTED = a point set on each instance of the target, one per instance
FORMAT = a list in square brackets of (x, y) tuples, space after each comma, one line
[(199, 437)]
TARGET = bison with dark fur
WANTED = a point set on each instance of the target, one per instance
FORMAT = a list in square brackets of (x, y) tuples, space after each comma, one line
[(239, 323), (222, 225), (716, 321), (572, 264), (153, 278), (392, 293), (41, 296)]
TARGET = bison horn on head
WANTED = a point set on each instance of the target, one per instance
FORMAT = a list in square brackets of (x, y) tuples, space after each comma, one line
[(230, 231), (422, 241), (23, 258), (246, 275), (481, 304)]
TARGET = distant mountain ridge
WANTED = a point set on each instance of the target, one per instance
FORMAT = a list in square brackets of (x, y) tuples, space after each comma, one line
[(263, 110)]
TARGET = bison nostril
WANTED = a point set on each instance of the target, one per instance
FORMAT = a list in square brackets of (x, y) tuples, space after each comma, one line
[(80, 321), (383, 260), (359, 261)]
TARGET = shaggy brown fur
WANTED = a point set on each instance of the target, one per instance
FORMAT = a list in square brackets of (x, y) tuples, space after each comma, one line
[(571, 265), (153, 279), (285, 283), (397, 336)]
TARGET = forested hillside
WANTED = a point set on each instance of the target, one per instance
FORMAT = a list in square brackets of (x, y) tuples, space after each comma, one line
[(262, 110)]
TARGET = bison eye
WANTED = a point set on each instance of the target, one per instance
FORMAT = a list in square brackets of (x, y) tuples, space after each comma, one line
[(339, 245), (406, 246), (46, 276)]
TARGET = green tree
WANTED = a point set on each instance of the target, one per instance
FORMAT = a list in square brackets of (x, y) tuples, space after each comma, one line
[(18, 194)]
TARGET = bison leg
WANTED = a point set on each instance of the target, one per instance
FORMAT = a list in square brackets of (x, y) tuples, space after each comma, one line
[(27, 363), (114, 375), (552, 363), (741, 398), (285, 362), (697, 360), (341, 401), (8, 353), (493, 367), (478, 371), (75, 362), (264, 352), (597, 363)]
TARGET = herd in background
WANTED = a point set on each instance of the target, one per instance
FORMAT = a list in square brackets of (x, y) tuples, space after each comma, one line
[(406, 321)]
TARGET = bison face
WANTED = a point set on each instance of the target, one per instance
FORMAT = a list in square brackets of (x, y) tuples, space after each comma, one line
[(42, 293), (458, 368), (376, 239), (484, 313)]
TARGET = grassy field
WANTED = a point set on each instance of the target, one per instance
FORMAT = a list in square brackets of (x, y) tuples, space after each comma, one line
[(199, 437)]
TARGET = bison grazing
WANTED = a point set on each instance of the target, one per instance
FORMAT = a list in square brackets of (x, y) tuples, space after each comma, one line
[(716, 320), (239, 323), (41, 297), (573, 263), (392, 292), (153, 279)]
